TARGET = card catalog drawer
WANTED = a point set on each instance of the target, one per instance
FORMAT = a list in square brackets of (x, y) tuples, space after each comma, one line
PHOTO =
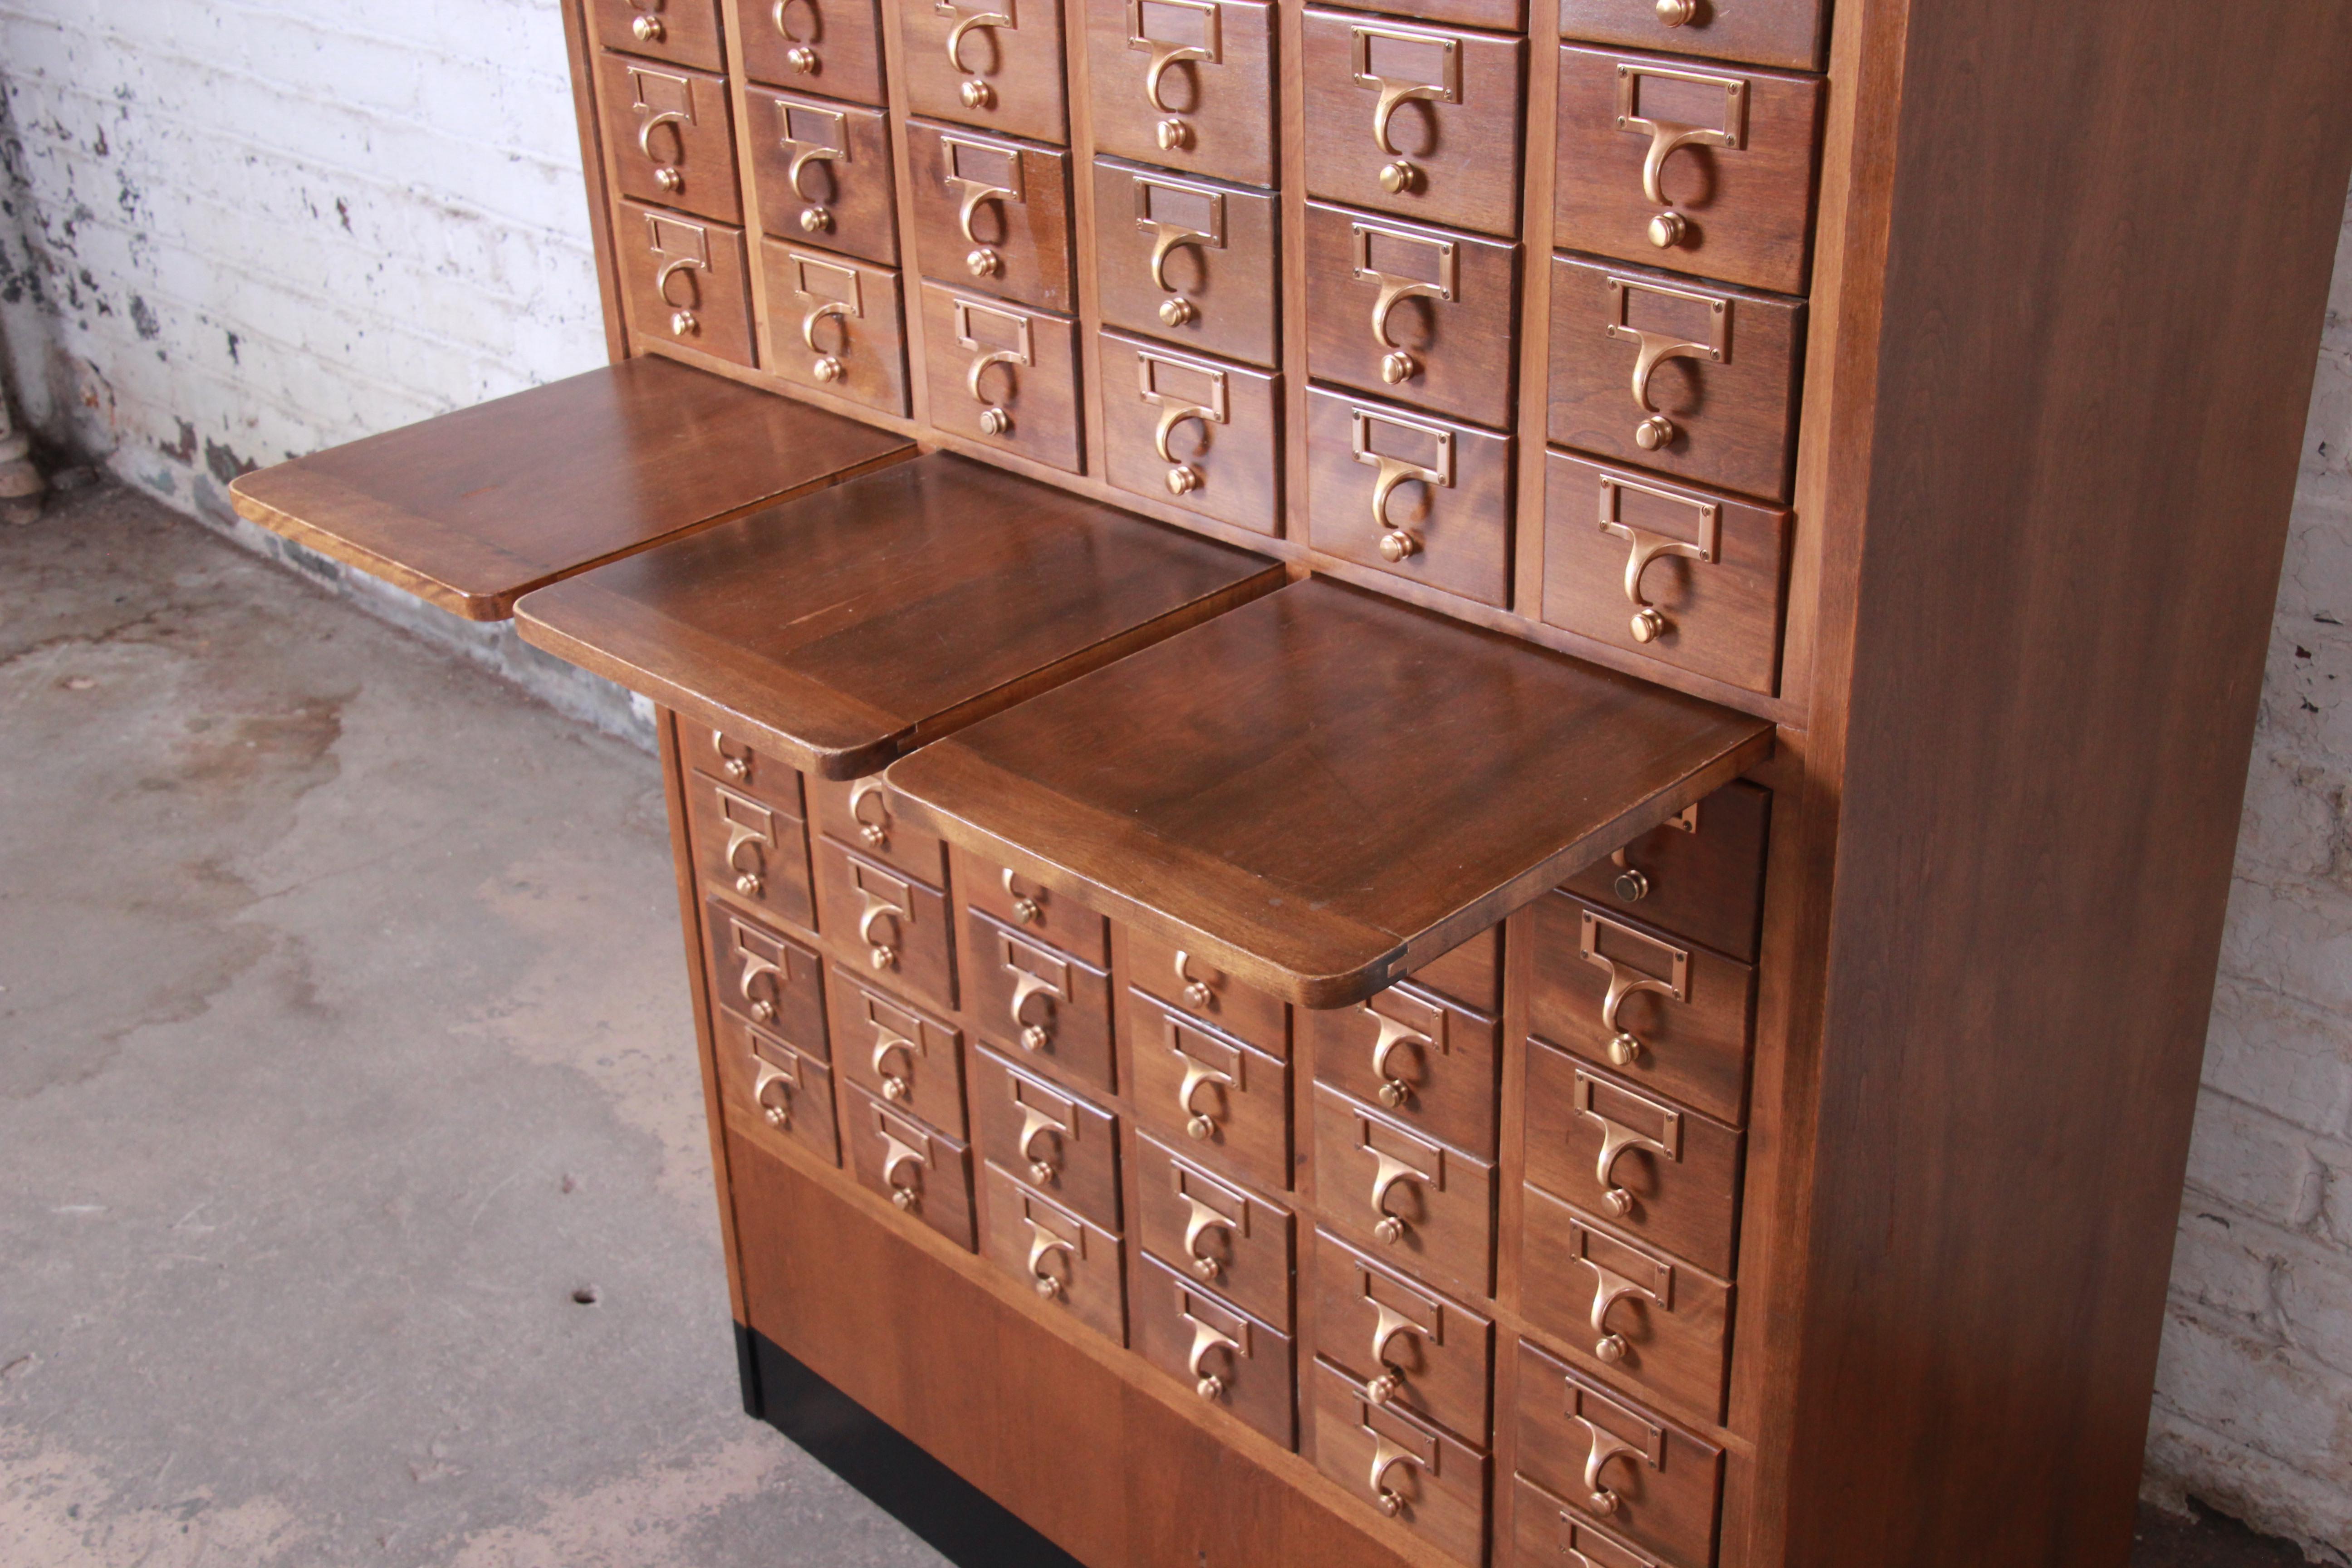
[(667, 139), (922, 1170), (1054, 1010), (1187, 261), (786, 1090), (1421, 121), (1192, 432), (1644, 1319), (1430, 1063), (1161, 969), (1065, 1258), (1187, 84), (1003, 375), (1695, 380), (1471, 973), (1673, 1018), (1217, 1231), (834, 325), (897, 1053), (1662, 1174), (1414, 1203), (683, 32), (821, 174), (828, 47), (1046, 1136), (1545, 1531), (1034, 909), (684, 280), (766, 977), (1653, 1482), (990, 63), (719, 754), (747, 848), (1410, 312), (1405, 1342), (1399, 1466), (1786, 33), (1227, 1357), (889, 924), (1700, 876), (1229, 1101), (1422, 497), (991, 214), (1697, 166), (1687, 577), (857, 811)]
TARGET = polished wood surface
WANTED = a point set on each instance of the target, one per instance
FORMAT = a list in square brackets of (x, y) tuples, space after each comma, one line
[(684, 280), (668, 139), (992, 215), (1428, 1062), (1789, 32), (1017, 64), (1371, 1320), (1056, 1140), (469, 511), (836, 325), (926, 595), (1700, 876), (1660, 1478), (1226, 453), (1388, 1455), (1666, 1337), (1031, 909), (1457, 341), (1219, 282), (1214, 1229), (833, 48), (1447, 523), (685, 33), (820, 173), (1003, 375), (1224, 106), (1196, 1088), (1271, 788)]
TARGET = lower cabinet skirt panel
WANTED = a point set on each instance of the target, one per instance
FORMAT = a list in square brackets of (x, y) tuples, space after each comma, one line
[(1094, 1461)]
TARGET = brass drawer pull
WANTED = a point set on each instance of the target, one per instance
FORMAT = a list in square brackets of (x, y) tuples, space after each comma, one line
[(875, 829), (1389, 1322), (1399, 365), (1605, 1447), (1616, 1139), (882, 945), (897, 1156), (889, 1043), (1035, 1037), (1654, 348), (1610, 1286), (984, 260), (1172, 132), (1200, 991), (647, 28), (1670, 229), (771, 1092), (1208, 1340), (1624, 1047), (807, 154), (1396, 1089), (1167, 237), (684, 250), (1388, 1172), (976, 92), (803, 55), (827, 366), (1649, 622), (661, 100), (1044, 1160), (1027, 909), (1184, 477), (996, 419), (752, 970), (1397, 541), (1386, 1456), (1199, 1075), (1202, 1218), (757, 835), (735, 764), (1401, 175), (1043, 1245)]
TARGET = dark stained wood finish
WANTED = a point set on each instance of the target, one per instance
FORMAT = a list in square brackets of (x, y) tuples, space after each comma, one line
[(1227, 451), (1504, 15), (1019, 67), (896, 1051), (1735, 419), (924, 1173), (1223, 109), (844, 199), (1792, 34), (1395, 1461), (1549, 1529), (885, 922), (1471, 973), (842, 40), (1456, 343), (1017, 244), (1228, 1102), (1044, 1135), (1061, 1257), (1448, 520), (1371, 1321), (1747, 211), (1213, 1229), (925, 597), (750, 849), (471, 509), (1371, 1169), (1666, 1337), (1161, 969), (1222, 265), (1463, 149), (684, 280), (1282, 776), (788, 1089), (766, 977), (667, 137), (1034, 909), (1664, 1480), (1704, 881), (1002, 376), (718, 755), (682, 32), (1229, 1358), (1043, 1008), (1427, 1062), (857, 813)]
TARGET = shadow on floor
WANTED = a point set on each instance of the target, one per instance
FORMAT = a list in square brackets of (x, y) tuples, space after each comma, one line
[(2206, 1540)]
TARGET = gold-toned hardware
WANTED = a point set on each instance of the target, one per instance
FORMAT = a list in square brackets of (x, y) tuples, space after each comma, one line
[(1183, 476), (875, 829), (1202, 1218), (1397, 546), (1400, 177), (1210, 50), (802, 57), (1603, 1449), (1199, 992), (749, 884), (1201, 1125), (1036, 1125), (1035, 1034), (1395, 1089), (1177, 311), (1389, 1504), (736, 764), (736, 768), (1654, 348), (1387, 1173), (762, 1010), (1208, 1341), (815, 220), (996, 422), (1624, 1046), (1400, 366), (897, 1156), (1049, 1287), (827, 366), (806, 154), (685, 324), (661, 98), (983, 96), (1395, 471), (882, 951), (1632, 883), (1043, 1244), (895, 1089), (984, 260), (753, 969), (1026, 909), (670, 180), (1043, 1171), (889, 1043), (996, 419), (1668, 229), (772, 1091), (1173, 135), (906, 1199), (678, 266), (754, 831), (686, 250), (1391, 1230), (1387, 1454), (1678, 13), (1650, 622), (647, 29), (1610, 1287), (977, 94), (1385, 1387)]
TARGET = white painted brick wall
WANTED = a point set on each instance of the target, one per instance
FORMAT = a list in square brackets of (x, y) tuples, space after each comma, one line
[(244, 229)]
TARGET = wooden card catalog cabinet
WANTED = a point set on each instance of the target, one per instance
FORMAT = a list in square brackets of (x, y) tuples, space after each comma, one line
[(1416, 768)]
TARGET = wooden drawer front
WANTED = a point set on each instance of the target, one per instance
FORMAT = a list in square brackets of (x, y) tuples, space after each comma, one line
[(787, 1090), (667, 136), (1471, 973), (1192, 432), (1421, 121), (1427, 1062), (821, 172), (1163, 971), (683, 32), (1502, 15), (1673, 1018), (897, 927), (925, 1173), (1416, 1203), (1719, 404), (835, 325), (1665, 1175), (1002, 376), (1047, 1137), (1733, 196), (1638, 1317), (1424, 499), (907, 1058), (1701, 876), (1403, 1340), (1651, 1481), (766, 977), (828, 47), (684, 280), (1190, 262), (749, 848), (1055, 1009), (857, 811), (1219, 1233), (1687, 577), (1410, 312), (1547, 1531), (992, 215), (1400, 1466), (1189, 84), (719, 754), (1785, 33), (992, 63), (1227, 1357), (1230, 1101), (1065, 1258), (1035, 910)]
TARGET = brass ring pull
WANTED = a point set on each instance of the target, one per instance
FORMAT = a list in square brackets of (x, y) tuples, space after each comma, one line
[(979, 367), (1666, 139), (1624, 1049), (1388, 1325), (956, 36), (1171, 416), (1201, 991), (756, 969), (897, 1157), (975, 194), (874, 830), (1616, 1140), (1202, 1220), (1395, 1089), (1395, 471), (1028, 908), (1388, 1171), (1207, 1342), (1170, 238), (1198, 1076), (800, 166), (646, 128), (1605, 1447), (1163, 56), (884, 952), (829, 310), (777, 1111), (682, 263), (1654, 349), (1650, 622), (800, 56), (1386, 1456), (1043, 1244), (1044, 1163), (1608, 1288), (1399, 364), (896, 1086), (1025, 986), (738, 835), (1393, 95)]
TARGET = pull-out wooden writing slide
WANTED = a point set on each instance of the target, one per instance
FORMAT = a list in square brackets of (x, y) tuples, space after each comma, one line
[(838, 631), (1324, 789), (472, 510)]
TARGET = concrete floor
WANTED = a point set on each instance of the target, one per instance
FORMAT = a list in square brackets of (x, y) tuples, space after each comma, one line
[(344, 1042)]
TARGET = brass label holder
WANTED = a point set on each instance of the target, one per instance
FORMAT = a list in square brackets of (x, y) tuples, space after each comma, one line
[(1174, 133), (1654, 348), (1401, 175), (1399, 364), (1398, 542), (1625, 1048), (1649, 622), (995, 419), (1670, 228), (1184, 477), (810, 152)]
